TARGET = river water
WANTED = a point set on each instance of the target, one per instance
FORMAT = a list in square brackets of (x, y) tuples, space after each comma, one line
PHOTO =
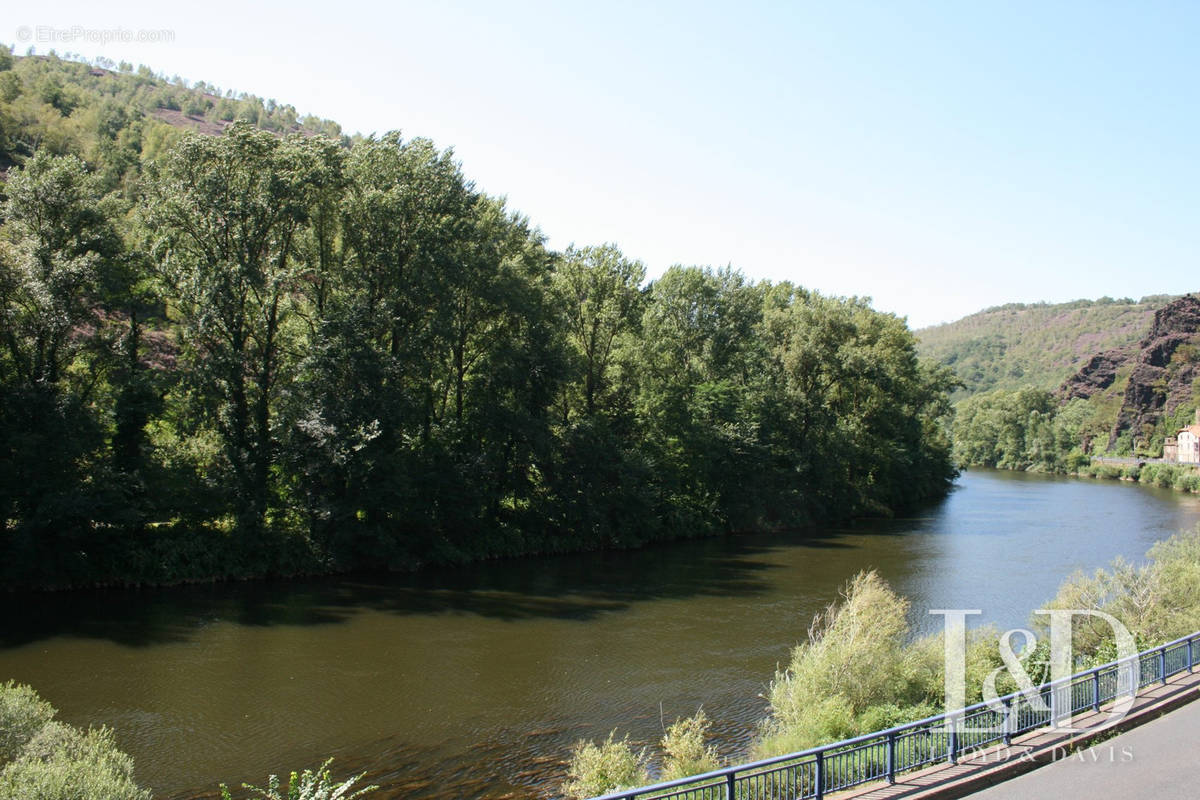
[(474, 682)]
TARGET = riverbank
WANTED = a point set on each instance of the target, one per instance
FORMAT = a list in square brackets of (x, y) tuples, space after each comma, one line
[(165, 555), (1156, 473), (1180, 477)]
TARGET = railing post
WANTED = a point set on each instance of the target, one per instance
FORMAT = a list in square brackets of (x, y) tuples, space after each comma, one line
[(729, 786), (1096, 690), (1162, 664), (1189, 654), (819, 773), (891, 757), (1010, 710)]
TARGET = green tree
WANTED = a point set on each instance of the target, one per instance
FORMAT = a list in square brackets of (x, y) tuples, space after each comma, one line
[(57, 254), (599, 292), (229, 211), (1012, 430)]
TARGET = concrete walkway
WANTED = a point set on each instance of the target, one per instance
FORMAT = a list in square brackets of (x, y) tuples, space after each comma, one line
[(1157, 760), (991, 767)]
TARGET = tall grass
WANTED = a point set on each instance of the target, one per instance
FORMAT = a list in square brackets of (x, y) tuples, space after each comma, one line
[(684, 750)]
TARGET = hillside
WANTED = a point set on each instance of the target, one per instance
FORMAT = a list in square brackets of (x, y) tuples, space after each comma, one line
[(117, 116), (1121, 401), (1039, 345)]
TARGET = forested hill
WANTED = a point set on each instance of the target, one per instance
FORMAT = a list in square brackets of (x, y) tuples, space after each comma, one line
[(255, 348), (1037, 345), (117, 115)]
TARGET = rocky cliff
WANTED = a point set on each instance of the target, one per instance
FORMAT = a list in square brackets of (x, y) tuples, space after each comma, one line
[(1158, 373)]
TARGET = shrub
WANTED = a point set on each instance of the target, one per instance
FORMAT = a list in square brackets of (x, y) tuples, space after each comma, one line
[(22, 715), (684, 752), (308, 785), (1160, 475), (889, 715), (1158, 601), (1077, 462), (817, 697), (63, 763), (1187, 481), (599, 769)]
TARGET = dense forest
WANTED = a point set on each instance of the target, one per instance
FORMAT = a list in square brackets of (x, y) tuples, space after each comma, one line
[(255, 348)]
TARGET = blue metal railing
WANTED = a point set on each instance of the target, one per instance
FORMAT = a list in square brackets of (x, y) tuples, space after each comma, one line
[(882, 755)]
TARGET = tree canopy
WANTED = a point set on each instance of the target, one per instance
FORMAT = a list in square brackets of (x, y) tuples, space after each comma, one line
[(269, 351)]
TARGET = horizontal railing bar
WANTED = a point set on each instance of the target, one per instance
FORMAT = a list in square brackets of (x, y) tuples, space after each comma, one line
[(936, 721)]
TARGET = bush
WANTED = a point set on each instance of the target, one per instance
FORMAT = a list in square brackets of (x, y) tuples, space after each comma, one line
[(1160, 475), (817, 698), (64, 763), (1187, 481), (1158, 601), (684, 752), (1078, 462), (22, 715), (599, 769)]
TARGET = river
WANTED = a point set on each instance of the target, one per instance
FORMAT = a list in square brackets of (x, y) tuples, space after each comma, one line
[(474, 682)]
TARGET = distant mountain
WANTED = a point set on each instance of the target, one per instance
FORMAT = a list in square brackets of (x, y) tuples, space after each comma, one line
[(1039, 345)]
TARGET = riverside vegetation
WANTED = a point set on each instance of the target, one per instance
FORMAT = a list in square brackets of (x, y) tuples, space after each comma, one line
[(277, 351), (43, 759), (826, 693)]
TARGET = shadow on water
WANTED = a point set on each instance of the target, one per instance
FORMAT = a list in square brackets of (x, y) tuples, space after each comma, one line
[(577, 586)]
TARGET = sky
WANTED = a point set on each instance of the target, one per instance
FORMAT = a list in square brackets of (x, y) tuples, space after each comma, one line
[(938, 157)]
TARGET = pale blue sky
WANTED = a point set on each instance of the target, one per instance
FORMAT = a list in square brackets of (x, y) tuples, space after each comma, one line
[(939, 157)]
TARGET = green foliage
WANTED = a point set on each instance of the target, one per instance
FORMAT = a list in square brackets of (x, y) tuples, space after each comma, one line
[(1013, 430), (824, 689), (307, 785), (684, 750), (827, 694), (598, 769), (22, 714), (599, 291), (1158, 601), (272, 351), (41, 759), (228, 211), (117, 117)]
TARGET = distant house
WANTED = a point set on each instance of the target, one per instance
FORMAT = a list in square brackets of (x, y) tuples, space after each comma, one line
[(1188, 445), (1184, 446)]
